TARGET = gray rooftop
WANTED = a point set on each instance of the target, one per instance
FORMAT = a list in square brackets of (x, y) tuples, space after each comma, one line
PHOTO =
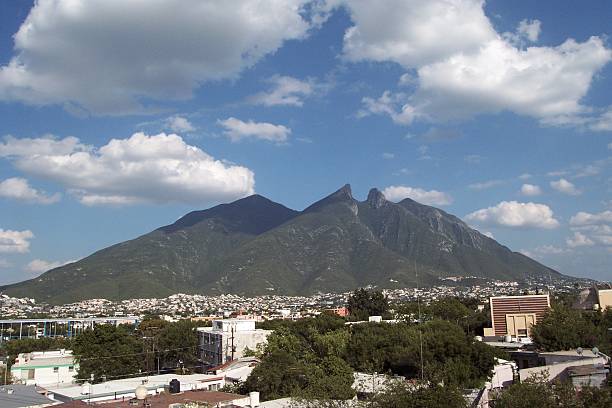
[(22, 396)]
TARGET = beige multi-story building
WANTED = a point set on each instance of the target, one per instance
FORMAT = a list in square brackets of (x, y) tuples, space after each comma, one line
[(514, 315), (227, 339), (604, 298)]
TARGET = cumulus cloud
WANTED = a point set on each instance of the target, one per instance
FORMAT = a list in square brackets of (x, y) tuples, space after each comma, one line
[(565, 187), (285, 90), (45, 146), (530, 190), (15, 241), (388, 156), (414, 32), (465, 68), (591, 229), (578, 240), (19, 189), (142, 168), (431, 197), (179, 124), (583, 218), (38, 266), (515, 215), (107, 56), (236, 130)]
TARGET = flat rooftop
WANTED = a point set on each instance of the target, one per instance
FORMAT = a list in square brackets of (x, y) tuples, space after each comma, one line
[(21, 396), (127, 385)]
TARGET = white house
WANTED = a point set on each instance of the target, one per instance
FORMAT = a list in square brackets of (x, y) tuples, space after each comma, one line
[(45, 368), (227, 339)]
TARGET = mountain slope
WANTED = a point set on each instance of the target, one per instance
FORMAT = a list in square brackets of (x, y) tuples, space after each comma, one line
[(255, 246)]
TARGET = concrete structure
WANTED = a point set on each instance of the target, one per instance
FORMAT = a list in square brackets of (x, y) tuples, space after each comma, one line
[(587, 376), (514, 315), (23, 396), (125, 389), (68, 327), (44, 368), (227, 339), (237, 370), (558, 364), (503, 374), (604, 297)]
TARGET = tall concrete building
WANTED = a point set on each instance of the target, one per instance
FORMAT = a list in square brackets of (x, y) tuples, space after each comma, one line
[(227, 339)]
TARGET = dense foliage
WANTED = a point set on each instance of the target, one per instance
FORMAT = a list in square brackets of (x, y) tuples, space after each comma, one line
[(107, 352), (315, 358), (564, 328), (365, 303)]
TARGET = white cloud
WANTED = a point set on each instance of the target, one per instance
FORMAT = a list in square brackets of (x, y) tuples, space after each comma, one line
[(603, 123), (415, 32), (5, 264), (237, 130), (525, 176), (388, 104), (530, 29), (285, 90), (584, 218), (388, 156), (19, 189), (565, 187), (578, 240), (465, 68), (38, 266), (431, 197), (141, 168), (46, 146), (107, 56), (516, 215), (15, 241), (179, 124), (530, 190), (527, 30), (485, 185)]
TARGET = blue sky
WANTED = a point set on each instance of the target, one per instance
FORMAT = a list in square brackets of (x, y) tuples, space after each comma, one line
[(119, 117)]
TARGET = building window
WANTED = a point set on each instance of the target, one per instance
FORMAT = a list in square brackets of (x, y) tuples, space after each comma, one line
[(71, 368), (56, 369)]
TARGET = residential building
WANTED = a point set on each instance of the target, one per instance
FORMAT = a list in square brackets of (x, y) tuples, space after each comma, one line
[(514, 315), (227, 339), (44, 368)]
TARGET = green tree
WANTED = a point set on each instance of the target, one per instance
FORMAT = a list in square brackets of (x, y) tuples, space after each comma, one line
[(419, 396), (563, 328), (364, 303), (109, 352), (178, 345)]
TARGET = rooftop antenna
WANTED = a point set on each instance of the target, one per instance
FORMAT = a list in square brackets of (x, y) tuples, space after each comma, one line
[(416, 274)]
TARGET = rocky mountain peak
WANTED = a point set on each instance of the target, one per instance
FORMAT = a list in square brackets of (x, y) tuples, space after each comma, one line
[(376, 198)]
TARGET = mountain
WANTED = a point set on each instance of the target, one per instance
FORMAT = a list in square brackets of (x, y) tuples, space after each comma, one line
[(256, 246)]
